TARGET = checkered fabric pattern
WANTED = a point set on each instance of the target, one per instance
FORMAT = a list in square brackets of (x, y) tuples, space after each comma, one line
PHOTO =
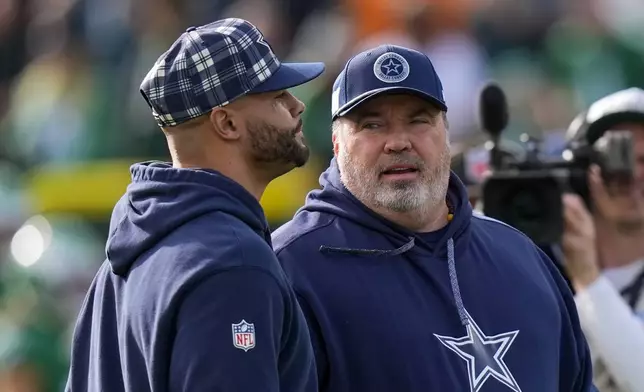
[(207, 67)]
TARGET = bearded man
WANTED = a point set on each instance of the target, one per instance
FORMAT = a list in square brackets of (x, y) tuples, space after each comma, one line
[(404, 289), (191, 296)]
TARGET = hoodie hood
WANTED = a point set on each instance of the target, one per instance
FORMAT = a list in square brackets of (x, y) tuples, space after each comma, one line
[(334, 198), (162, 198)]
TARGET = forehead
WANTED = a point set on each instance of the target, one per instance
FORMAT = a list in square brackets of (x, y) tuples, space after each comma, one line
[(397, 104), (636, 129), (255, 100)]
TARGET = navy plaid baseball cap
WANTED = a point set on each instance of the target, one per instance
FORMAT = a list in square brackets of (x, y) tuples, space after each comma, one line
[(385, 69), (209, 66)]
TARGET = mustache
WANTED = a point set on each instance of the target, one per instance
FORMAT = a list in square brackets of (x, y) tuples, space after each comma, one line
[(403, 159), (298, 127)]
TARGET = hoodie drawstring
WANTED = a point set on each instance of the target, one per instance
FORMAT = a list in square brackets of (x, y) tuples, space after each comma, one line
[(451, 265), (453, 280), (370, 252)]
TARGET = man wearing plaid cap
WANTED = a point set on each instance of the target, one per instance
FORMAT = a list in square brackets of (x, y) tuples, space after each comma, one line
[(191, 296)]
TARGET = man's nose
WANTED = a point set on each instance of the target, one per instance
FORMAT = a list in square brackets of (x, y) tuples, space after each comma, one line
[(297, 107), (397, 141)]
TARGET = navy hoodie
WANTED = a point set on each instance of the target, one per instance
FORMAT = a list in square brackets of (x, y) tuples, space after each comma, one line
[(191, 296), (475, 306)]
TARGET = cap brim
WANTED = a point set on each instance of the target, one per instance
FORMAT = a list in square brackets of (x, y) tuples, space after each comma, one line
[(360, 99), (290, 75)]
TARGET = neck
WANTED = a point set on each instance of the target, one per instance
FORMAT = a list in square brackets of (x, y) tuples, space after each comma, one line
[(615, 248), (422, 220), (230, 166)]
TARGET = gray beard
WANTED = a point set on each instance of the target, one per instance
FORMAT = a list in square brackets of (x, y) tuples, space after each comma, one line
[(428, 192)]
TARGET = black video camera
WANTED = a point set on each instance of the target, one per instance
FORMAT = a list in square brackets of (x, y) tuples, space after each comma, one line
[(527, 193)]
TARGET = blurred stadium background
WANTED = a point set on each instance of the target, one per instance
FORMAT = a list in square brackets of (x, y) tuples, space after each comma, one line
[(72, 119)]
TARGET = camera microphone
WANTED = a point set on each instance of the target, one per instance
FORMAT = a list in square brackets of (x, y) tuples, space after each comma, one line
[(493, 115), (493, 109)]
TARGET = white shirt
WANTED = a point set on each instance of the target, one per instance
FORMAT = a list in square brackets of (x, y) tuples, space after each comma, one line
[(614, 331)]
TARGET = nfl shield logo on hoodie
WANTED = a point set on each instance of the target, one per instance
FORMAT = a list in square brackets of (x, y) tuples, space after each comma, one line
[(244, 335)]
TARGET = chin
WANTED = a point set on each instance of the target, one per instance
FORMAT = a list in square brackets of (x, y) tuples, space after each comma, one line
[(289, 163), (302, 157), (300, 140)]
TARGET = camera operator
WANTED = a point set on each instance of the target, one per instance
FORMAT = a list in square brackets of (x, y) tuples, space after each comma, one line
[(604, 249)]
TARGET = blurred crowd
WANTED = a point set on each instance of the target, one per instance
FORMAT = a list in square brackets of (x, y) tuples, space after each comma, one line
[(72, 118)]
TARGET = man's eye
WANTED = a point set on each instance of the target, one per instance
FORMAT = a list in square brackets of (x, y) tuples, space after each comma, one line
[(370, 126), (423, 120)]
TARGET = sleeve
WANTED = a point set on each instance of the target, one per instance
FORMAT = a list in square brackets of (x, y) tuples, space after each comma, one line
[(319, 349), (288, 260), (616, 333), (576, 371), (228, 334)]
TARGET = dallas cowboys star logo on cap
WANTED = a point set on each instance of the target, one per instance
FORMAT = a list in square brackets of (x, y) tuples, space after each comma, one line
[(391, 67), (483, 354)]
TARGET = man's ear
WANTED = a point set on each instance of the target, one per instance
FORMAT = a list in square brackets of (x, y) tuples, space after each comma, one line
[(335, 136), (225, 123), (334, 139)]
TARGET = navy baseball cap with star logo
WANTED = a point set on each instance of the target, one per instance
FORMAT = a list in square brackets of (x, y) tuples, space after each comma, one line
[(210, 66), (385, 69)]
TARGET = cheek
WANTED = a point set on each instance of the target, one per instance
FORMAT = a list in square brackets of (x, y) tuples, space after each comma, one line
[(639, 162), (639, 171), (638, 152), (430, 146), (279, 117), (365, 150)]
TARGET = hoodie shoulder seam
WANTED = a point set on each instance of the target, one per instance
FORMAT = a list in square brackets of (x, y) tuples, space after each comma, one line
[(305, 232), (215, 272), (265, 271), (239, 241), (195, 284), (500, 223)]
